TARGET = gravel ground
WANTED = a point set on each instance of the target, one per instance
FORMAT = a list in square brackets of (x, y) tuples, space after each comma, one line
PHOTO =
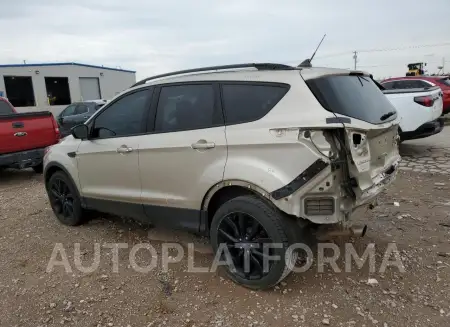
[(418, 222)]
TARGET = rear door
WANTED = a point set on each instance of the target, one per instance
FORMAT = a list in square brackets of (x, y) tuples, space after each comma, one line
[(184, 156)]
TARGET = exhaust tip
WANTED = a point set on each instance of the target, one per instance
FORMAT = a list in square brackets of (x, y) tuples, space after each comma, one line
[(359, 231), (364, 230)]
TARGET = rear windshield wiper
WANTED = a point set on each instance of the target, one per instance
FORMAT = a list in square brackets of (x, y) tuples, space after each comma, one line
[(387, 115), (361, 78)]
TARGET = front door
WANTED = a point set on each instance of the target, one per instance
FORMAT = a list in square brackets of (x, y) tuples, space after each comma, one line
[(108, 163), (184, 156)]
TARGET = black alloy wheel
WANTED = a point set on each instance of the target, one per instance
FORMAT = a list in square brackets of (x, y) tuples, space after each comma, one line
[(64, 199), (245, 237), (61, 199), (252, 237)]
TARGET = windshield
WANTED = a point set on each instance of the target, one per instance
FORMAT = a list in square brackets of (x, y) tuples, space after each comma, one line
[(5, 108), (353, 96)]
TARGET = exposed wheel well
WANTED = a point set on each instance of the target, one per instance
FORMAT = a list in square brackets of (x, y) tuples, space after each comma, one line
[(50, 171), (225, 194)]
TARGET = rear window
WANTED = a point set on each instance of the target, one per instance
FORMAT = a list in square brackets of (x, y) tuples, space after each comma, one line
[(5, 108), (353, 96), (249, 102)]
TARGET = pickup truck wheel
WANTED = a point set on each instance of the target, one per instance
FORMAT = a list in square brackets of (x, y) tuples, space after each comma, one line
[(39, 168), (64, 199), (248, 232)]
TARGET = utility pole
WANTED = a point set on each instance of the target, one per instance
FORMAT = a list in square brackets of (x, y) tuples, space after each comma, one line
[(355, 57), (443, 66)]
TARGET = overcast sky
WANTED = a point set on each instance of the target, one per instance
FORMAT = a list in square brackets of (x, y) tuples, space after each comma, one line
[(158, 36)]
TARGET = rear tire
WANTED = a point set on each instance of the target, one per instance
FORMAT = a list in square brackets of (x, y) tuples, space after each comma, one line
[(64, 200), (227, 228)]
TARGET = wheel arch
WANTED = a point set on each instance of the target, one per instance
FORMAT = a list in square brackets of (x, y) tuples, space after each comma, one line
[(53, 167), (227, 190)]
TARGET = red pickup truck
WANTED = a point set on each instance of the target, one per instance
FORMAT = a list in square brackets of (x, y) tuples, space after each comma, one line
[(24, 137)]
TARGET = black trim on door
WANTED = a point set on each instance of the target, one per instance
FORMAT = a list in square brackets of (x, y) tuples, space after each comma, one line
[(169, 217)]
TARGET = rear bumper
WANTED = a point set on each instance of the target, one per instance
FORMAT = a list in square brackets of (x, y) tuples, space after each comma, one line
[(23, 159), (427, 129)]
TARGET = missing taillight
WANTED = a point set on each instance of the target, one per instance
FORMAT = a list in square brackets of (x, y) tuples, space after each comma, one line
[(356, 139)]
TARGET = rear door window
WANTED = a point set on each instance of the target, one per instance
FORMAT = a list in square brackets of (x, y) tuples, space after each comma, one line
[(5, 109), (187, 107), (248, 102), (353, 96)]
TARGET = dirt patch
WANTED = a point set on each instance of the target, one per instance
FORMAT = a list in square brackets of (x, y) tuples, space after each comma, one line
[(32, 297)]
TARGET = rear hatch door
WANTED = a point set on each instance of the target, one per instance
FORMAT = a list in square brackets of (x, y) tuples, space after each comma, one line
[(371, 126)]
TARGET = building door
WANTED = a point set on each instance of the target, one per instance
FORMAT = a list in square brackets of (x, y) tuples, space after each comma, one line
[(90, 88)]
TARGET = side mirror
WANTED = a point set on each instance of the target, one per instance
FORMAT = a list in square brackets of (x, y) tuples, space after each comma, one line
[(80, 132)]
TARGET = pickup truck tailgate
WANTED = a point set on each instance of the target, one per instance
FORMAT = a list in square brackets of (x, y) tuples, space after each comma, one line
[(26, 131)]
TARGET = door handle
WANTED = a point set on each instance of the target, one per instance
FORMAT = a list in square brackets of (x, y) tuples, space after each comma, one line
[(124, 149), (202, 145)]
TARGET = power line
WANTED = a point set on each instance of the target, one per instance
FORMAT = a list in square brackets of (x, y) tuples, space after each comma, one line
[(338, 54), (388, 65), (408, 47)]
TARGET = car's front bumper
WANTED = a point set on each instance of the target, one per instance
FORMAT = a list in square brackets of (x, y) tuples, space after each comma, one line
[(425, 130)]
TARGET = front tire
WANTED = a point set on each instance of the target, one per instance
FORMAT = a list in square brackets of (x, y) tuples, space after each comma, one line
[(64, 199), (252, 229)]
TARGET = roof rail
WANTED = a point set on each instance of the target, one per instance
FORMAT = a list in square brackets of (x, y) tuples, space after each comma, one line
[(261, 66)]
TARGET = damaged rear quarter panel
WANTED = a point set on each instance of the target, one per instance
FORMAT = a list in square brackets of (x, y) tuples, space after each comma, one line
[(269, 162)]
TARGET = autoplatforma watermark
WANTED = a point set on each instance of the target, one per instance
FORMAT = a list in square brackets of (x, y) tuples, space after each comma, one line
[(170, 253)]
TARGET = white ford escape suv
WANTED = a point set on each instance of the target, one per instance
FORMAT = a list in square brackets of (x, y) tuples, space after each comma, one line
[(247, 154)]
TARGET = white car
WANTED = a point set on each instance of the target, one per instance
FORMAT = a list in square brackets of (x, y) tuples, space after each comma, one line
[(419, 106)]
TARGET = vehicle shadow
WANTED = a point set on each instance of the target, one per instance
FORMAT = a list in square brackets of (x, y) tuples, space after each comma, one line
[(8, 176), (415, 150)]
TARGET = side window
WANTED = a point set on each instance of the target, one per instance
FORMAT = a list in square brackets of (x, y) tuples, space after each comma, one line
[(247, 102), (408, 84), (123, 117), (69, 111), (186, 107), (388, 85), (424, 84), (81, 109)]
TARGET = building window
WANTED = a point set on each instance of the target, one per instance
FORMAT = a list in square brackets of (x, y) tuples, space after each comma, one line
[(58, 93), (19, 90)]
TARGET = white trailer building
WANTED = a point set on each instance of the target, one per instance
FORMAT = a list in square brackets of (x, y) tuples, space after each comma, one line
[(53, 86)]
